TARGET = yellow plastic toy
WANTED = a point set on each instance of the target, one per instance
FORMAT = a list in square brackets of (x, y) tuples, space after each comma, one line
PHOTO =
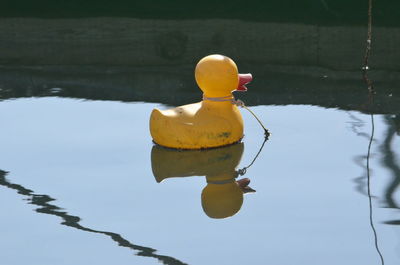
[(213, 122), (223, 195)]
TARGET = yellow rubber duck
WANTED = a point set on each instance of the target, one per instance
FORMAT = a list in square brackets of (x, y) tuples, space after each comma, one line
[(213, 122)]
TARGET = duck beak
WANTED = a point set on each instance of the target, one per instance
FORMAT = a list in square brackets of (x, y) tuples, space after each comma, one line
[(244, 185), (244, 79)]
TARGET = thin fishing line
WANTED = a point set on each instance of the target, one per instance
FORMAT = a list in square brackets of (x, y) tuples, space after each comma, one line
[(243, 171), (371, 221), (371, 93), (365, 68), (240, 103)]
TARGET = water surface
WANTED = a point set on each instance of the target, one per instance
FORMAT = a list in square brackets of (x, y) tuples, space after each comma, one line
[(80, 189)]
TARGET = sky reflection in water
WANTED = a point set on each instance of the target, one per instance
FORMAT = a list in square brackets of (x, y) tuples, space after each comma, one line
[(95, 160)]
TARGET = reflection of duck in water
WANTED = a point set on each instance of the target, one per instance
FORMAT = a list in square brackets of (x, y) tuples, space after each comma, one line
[(223, 195)]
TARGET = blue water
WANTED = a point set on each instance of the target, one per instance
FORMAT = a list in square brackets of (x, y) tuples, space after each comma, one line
[(93, 161)]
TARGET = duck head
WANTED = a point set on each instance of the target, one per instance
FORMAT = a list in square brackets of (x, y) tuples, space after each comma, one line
[(221, 200), (217, 76)]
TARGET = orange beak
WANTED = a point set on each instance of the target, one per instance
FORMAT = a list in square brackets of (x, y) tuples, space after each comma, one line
[(244, 79)]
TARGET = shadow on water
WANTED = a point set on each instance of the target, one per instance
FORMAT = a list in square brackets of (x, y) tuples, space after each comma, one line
[(389, 161), (356, 125), (45, 207)]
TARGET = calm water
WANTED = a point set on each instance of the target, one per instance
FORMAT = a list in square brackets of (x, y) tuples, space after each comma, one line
[(82, 183), (80, 189)]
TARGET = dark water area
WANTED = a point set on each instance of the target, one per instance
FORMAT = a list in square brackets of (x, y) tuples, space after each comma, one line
[(152, 59), (82, 182), (324, 12)]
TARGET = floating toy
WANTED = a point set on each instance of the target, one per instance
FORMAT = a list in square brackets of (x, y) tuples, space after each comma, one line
[(213, 122), (223, 195)]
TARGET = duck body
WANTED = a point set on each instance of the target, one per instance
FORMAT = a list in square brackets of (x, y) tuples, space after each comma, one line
[(199, 125), (213, 122)]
